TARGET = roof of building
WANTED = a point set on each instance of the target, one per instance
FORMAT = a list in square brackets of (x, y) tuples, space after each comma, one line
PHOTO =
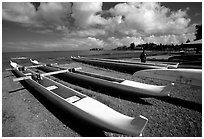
[(195, 42)]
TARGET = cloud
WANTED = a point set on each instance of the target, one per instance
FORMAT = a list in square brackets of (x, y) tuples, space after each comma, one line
[(128, 40), (48, 14), (85, 24), (54, 15), (150, 18), (85, 33), (125, 41), (169, 39), (114, 42), (59, 44), (84, 14), (43, 45), (94, 42), (165, 39), (18, 12), (53, 12), (45, 31), (126, 18), (85, 42)]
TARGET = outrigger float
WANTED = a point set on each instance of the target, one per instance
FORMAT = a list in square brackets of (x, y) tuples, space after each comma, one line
[(121, 65), (79, 104), (122, 86)]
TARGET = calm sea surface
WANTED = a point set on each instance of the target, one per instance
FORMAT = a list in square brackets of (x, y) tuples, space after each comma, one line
[(58, 56)]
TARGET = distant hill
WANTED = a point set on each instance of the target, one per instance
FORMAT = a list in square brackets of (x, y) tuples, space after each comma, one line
[(96, 49)]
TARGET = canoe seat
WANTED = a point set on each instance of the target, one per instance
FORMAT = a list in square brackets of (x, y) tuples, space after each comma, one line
[(132, 83), (73, 99), (28, 74), (51, 87)]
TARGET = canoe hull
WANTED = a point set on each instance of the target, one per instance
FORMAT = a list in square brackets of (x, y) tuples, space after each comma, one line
[(49, 96), (84, 108), (124, 67), (190, 65), (115, 85), (131, 62), (186, 76)]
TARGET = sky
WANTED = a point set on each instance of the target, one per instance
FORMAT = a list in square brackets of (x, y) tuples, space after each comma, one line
[(84, 25)]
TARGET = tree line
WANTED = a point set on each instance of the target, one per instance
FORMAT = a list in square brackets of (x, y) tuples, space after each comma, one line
[(162, 47)]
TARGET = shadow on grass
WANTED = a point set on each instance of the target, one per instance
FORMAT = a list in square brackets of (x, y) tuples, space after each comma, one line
[(183, 103), (16, 90), (72, 121)]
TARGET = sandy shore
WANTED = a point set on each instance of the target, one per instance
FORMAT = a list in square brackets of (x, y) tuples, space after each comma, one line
[(24, 113)]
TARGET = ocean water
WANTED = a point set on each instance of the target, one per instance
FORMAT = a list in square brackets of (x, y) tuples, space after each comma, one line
[(60, 56)]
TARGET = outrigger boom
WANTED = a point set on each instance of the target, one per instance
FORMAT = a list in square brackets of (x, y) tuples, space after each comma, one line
[(54, 72), (21, 78), (60, 71), (44, 74), (36, 66)]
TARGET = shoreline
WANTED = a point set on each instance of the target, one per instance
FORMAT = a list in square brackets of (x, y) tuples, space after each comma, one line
[(62, 57)]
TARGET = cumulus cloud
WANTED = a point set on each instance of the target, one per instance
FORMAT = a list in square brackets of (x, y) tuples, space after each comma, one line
[(18, 12), (128, 40), (53, 12), (127, 18), (151, 18), (114, 42), (84, 14), (165, 39), (85, 42), (82, 23), (48, 14), (125, 41), (94, 42), (169, 39)]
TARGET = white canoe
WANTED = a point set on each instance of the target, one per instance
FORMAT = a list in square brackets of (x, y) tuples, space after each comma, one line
[(19, 58), (83, 106), (122, 86), (186, 76)]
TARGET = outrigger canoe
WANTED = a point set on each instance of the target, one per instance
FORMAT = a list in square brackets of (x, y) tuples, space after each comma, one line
[(79, 104), (190, 65), (121, 86), (185, 76), (128, 67), (162, 65)]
